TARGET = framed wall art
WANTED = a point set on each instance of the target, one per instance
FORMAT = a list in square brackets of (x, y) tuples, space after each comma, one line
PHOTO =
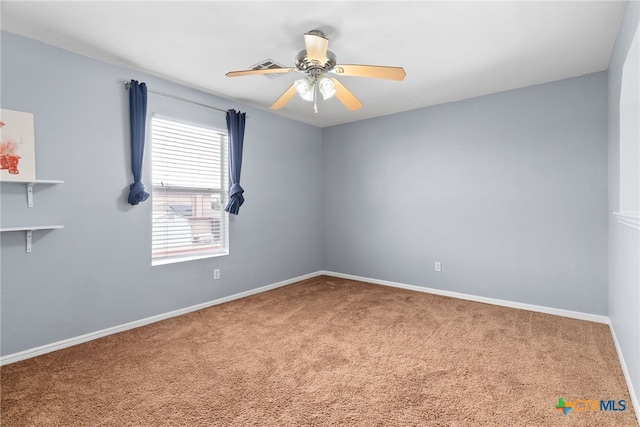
[(17, 146)]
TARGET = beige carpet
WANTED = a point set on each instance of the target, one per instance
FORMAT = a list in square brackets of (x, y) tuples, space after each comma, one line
[(328, 351)]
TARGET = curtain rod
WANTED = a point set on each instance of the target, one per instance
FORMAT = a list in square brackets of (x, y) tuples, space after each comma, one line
[(128, 84)]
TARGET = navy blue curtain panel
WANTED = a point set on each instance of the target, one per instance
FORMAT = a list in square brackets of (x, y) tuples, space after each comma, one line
[(138, 121), (235, 126)]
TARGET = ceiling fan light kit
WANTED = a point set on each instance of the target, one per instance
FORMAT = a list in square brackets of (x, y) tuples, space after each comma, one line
[(315, 61), (306, 86), (326, 87)]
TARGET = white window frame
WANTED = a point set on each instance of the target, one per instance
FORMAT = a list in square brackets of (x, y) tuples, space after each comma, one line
[(629, 204), (188, 217)]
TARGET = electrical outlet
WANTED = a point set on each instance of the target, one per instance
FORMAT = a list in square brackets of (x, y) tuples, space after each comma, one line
[(438, 266), (216, 274)]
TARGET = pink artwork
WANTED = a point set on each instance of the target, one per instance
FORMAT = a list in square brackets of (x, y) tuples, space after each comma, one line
[(17, 146)]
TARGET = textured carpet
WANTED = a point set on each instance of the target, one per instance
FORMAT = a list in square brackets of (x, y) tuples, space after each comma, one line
[(328, 351)]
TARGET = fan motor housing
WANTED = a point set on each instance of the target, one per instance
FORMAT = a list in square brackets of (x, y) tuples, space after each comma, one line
[(303, 63)]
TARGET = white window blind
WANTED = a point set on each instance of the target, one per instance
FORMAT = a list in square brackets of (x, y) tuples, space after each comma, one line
[(190, 182)]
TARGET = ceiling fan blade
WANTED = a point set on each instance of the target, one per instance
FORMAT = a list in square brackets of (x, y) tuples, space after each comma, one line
[(372, 71), (316, 46), (265, 71), (345, 96), (284, 98)]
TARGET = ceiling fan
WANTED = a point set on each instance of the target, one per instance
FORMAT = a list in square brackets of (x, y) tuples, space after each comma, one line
[(316, 62)]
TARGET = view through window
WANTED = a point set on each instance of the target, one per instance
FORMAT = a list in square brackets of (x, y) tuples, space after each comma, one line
[(190, 182)]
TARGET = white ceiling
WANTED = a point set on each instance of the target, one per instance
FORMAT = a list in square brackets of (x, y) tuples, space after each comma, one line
[(450, 50)]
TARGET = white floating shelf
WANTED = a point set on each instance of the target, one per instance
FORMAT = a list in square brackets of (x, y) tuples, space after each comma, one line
[(34, 181), (30, 183), (30, 230)]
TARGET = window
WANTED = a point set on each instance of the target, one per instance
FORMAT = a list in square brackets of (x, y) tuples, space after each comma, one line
[(190, 182), (629, 213)]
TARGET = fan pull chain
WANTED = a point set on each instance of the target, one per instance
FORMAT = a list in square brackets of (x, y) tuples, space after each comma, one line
[(315, 94)]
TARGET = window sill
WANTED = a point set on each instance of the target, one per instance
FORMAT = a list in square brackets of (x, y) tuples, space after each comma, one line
[(164, 261), (630, 219)]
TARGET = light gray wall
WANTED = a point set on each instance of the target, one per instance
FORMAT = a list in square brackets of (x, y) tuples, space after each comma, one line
[(96, 272), (508, 191), (624, 241)]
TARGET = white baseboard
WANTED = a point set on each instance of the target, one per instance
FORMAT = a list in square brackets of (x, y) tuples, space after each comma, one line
[(504, 303), (59, 345), (47, 348), (625, 371)]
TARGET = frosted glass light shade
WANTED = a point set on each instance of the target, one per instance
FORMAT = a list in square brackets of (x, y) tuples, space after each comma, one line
[(304, 88)]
